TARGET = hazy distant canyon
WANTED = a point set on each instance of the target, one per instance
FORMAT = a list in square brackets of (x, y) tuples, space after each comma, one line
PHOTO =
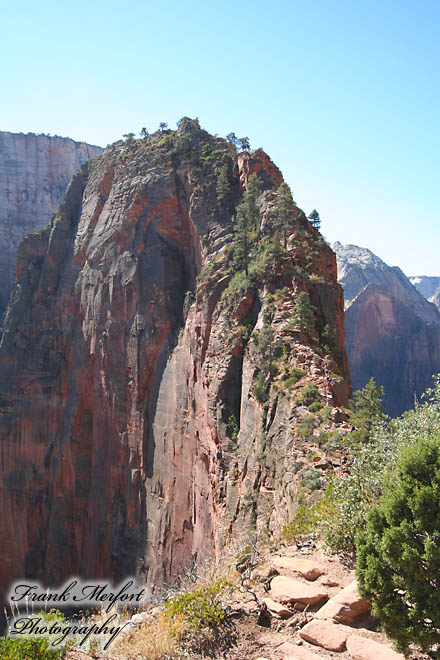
[(35, 171), (392, 331)]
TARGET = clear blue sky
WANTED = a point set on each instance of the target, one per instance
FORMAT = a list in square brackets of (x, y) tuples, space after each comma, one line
[(343, 95)]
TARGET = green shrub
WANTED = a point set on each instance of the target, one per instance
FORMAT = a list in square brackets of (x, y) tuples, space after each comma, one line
[(260, 388), (315, 406), (352, 495), (328, 336), (294, 376), (303, 524), (399, 552), (322, 438), (200, 608), (305, 427), (28, 649), (308, 394), (312, 480), (335, 441), (238, 284), (326, 414), (233, 427)]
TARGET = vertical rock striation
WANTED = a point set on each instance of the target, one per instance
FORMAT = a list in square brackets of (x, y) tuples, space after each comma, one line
[(35, 171), (133, 439)]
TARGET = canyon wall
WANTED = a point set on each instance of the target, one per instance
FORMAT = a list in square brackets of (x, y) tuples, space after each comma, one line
[(150, 399), (392, 332), (35, 171)]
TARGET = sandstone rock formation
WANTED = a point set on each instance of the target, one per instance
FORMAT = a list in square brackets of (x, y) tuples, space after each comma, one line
[(309, 570), (346, 607), (327, 635), (288, 590), (35, 171), (133, 439), (392, 332), (428, 286)]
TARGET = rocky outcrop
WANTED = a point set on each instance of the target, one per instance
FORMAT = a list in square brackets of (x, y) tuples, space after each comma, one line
[(392, 332), (148, 412), (428, 286), (35, 171), (346, 607)]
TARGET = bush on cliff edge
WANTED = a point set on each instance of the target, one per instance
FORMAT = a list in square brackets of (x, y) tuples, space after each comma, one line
[(398, 562)]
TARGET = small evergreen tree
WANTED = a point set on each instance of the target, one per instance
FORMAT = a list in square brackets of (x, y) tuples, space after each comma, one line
[(241, 245), (129, 139), (367, 411), (398, 564), (233, 140), (163, 126), (315, 220), (304, 311), (250, 198), (285, 211), (273, 254), (223, 186), (246, 225), (244, 144), (144, 133)]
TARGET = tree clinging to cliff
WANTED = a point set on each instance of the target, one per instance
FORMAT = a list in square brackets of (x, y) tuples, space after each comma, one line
[(315, 220), (246, 224), (241, 144), (285, 211)]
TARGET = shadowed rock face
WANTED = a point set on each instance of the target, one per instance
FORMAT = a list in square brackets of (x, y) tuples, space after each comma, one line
[(35, 171), (392, 332), (131, 439), (428, 286)]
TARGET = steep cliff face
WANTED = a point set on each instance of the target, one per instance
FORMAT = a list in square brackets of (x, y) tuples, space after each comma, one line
[(35, 171), (428, 286), (392, 332), (147, 406)]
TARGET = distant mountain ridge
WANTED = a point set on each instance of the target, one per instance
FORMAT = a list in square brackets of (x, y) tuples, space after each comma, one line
[(392, 331)]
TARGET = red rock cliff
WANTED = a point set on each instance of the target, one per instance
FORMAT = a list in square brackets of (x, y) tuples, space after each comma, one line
[(133, 437)]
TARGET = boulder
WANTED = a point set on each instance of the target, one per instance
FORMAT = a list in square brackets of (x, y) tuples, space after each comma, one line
[(287, 590), (277, 608), (264, 571), (362, 648), (308, 569), (346, 607), (327, 635)]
